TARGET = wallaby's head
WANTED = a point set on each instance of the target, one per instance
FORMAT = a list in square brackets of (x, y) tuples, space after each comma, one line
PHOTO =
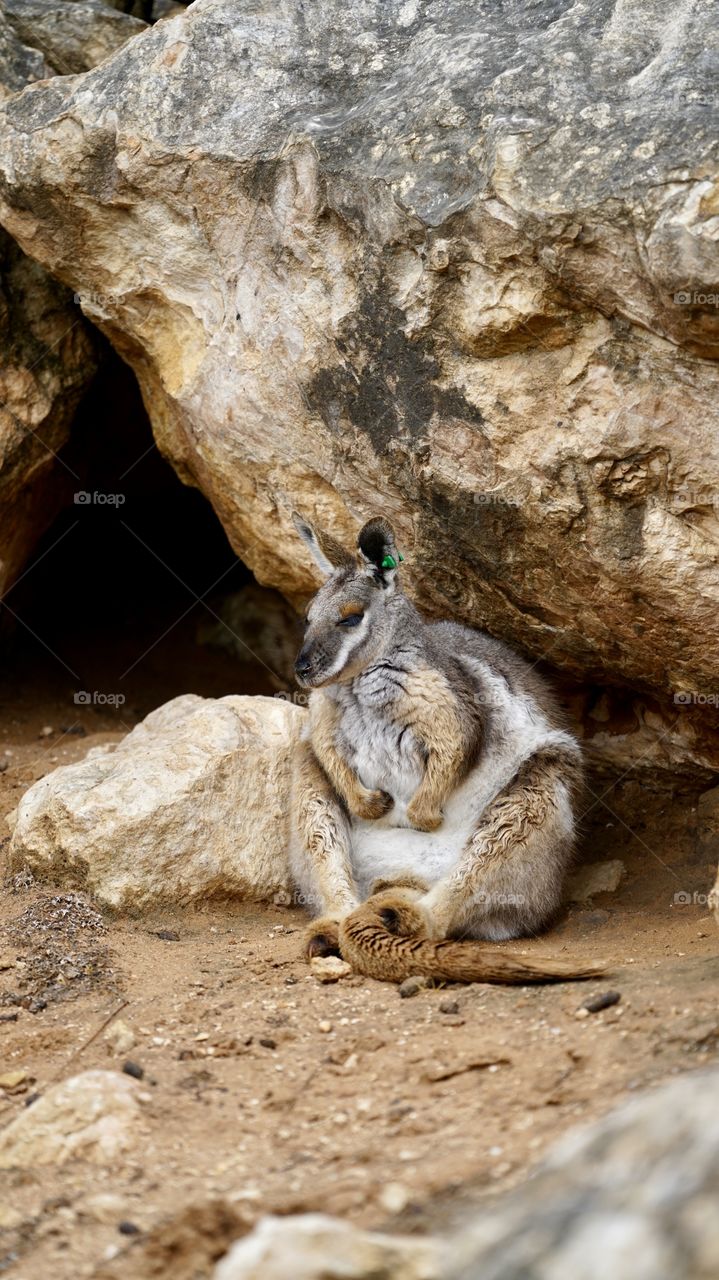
[(347, 620)]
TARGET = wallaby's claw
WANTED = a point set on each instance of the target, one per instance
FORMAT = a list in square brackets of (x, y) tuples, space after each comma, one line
[(322, 939)]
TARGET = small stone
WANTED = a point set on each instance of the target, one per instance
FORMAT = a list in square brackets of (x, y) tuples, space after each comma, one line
[(9, 1217), (128, 1228), (411, 986), (104, 1207), (46, 731), (582, 1013), (7, 962), (325, 1027), (11, 1080), (329, 968), (165, 935), (603, 1001), (449, 1006), (597, 877), (267, 1042), (93, 1116), (394, 1198), (133, 1069), (119, 1037)]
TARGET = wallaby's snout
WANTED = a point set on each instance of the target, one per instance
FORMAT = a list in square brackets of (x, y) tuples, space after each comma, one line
[(303, 664)]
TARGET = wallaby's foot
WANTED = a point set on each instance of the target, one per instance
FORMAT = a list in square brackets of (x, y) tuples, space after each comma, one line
[(370, 804), (322, 938), (400, 912), (423, 817)]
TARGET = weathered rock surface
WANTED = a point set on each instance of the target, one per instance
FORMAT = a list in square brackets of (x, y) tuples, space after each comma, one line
[(315, 1247), (47, 360), (71, 37), (634, 1197), (193, 802), (448, 261), (94, 1116)]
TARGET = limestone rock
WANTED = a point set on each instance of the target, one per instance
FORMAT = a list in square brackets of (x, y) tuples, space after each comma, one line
[(449, 262), (71, 37), (329, 968), (47, 360), (315, 1247), (94, 1116), (596, 877), (193, 802)]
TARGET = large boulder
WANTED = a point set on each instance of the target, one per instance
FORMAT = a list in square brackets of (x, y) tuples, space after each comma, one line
[(48, 358), (452, 261), (194, 802), (70, 37)]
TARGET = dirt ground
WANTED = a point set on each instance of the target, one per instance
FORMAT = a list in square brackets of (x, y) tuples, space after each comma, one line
[(268, 1092)]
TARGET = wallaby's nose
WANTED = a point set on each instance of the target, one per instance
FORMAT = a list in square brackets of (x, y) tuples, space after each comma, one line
[(303, 666)]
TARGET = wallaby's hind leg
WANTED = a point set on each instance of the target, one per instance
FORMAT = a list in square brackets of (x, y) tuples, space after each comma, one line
[(508, 880), (320, 853)]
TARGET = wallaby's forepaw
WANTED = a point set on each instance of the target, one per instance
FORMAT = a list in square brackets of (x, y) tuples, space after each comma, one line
[(370, 804), (399, 912), (423, 818), (322, 938)]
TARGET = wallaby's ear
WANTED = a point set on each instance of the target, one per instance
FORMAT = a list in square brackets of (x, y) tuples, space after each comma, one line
[(326, 552), (377, 551)]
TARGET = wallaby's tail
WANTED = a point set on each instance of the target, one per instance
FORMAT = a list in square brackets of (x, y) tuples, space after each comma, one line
[(382, 939)]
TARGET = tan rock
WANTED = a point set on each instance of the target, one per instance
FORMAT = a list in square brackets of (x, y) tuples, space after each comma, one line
[(488, 315), (329, 968), (94, 1116), (596, 877), (311, 1246), (194, 801)]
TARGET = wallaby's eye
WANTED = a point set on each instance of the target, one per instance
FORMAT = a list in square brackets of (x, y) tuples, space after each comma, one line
[(352, 620)]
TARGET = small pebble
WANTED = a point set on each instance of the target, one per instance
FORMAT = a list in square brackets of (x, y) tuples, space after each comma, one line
[(166, 935), (267, 1042), (46, 731), (133, 1069), (604, 1001), (325, 1027), (128, 1228), (449, 1006), (329, 968), (411, 986)]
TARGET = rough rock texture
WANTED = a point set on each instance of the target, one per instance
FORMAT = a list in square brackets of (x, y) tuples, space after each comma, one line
[(193, 802), (451, 261), (94, 1116), (633, 1197), (47, 360), (71, 37), (315, 1247)]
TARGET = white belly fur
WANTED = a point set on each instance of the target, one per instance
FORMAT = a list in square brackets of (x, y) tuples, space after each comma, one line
[(388, 848)]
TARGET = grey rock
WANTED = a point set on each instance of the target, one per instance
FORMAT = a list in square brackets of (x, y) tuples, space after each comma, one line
[(71, 37)]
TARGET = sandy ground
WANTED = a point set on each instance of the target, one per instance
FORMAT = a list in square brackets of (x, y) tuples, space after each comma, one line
[(267, 1091)]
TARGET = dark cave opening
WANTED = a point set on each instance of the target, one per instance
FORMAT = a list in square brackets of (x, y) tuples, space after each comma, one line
[(112, 603)]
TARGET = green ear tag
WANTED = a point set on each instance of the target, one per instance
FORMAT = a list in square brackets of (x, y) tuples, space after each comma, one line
[(388, 563)]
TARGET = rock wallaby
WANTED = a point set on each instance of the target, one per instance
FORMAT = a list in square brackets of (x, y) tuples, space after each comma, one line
[(436, 784)]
